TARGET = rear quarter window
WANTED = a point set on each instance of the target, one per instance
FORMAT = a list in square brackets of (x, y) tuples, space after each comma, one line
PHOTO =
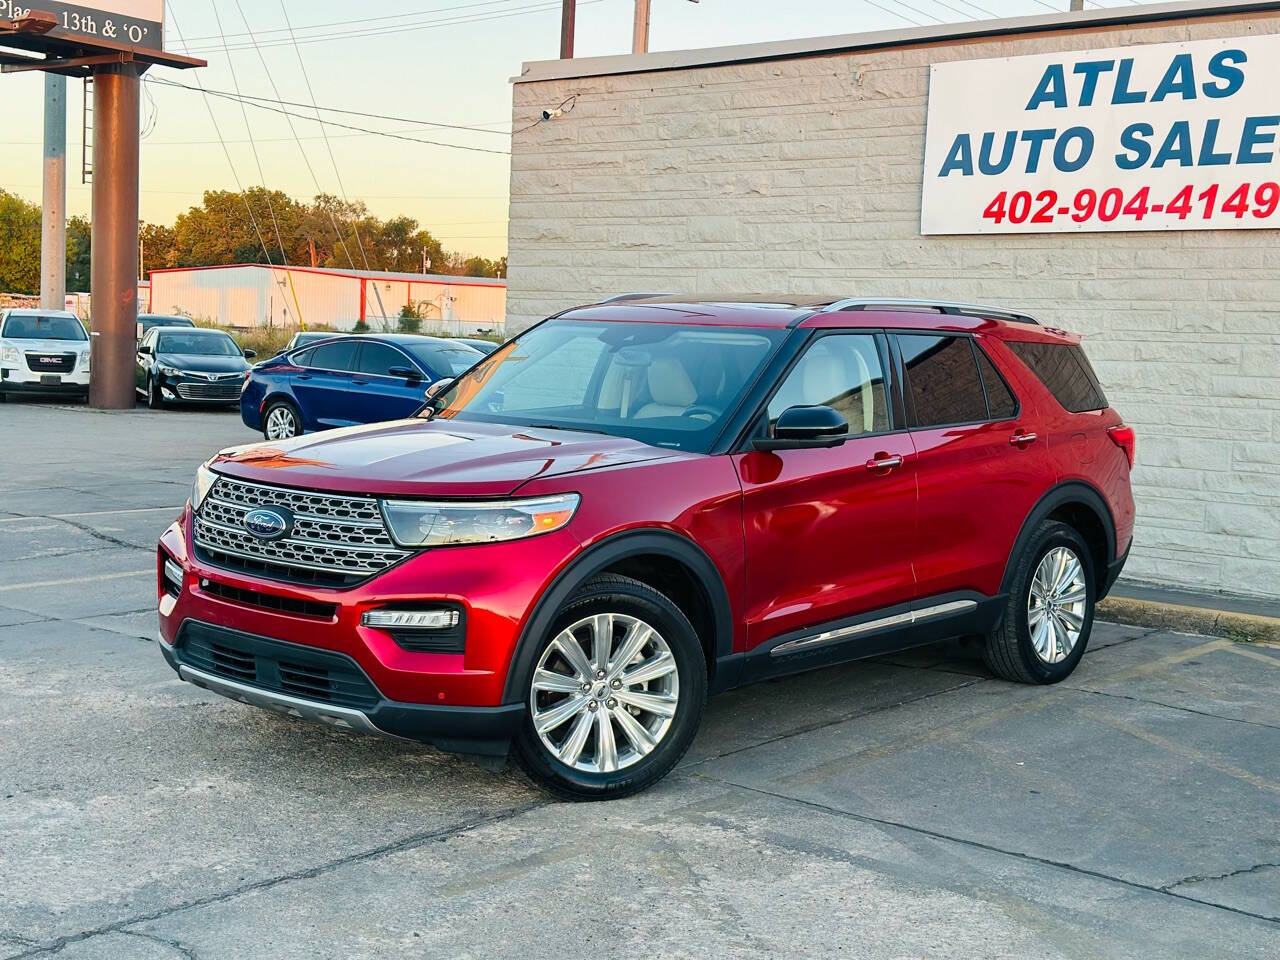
[(1066, 373)]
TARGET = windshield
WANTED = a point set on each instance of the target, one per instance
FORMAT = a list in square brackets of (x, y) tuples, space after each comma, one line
[(33, 326), (444, 359), (664, 384), (198, 344)]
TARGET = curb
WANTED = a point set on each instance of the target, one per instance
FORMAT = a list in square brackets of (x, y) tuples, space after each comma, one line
[(1187, 619)]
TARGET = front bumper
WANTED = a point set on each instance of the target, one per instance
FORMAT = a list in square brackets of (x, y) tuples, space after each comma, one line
[(192, 388), (475, 730), (440, 697), (22, 381)]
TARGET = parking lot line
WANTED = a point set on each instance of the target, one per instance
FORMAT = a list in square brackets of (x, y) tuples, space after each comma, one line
[(36, 584), (95, 513)]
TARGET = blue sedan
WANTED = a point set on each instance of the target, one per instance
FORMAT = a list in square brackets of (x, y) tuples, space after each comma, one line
[(348, 381)]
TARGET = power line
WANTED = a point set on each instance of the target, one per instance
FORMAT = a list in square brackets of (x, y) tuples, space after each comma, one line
[(331, 123), (350, 113), (542, 7), (363, 20)]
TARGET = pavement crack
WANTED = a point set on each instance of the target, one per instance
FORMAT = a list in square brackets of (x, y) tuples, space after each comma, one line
[(411, 842), (1170, 706), (1256, 868), (103, 537), (182, 948), (989, 848)]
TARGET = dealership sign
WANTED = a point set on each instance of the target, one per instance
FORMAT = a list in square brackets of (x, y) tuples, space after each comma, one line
[(134, 23), (1170, 136)]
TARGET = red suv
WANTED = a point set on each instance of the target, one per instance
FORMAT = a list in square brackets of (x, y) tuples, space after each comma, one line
[(640, 503)]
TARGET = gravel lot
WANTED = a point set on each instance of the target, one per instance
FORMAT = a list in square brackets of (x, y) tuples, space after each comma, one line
[(906, 807)]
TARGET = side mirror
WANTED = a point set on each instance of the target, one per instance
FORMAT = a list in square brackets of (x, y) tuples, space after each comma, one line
[(145, 349), (439, 387), (802, 428), (250, 354), (407, 373)]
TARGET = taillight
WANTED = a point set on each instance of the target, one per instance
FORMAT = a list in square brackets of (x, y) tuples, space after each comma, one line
[(1124, 437)]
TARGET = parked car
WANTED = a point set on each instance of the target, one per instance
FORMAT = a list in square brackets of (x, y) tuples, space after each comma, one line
[(305, 338), (484, 346), (148, 320), (43, 353), (348, 381), (192, 365), (632, 506)]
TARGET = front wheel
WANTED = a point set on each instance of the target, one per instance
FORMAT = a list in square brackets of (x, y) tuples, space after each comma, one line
[(616, 695), (1049, 614), (154, 398)]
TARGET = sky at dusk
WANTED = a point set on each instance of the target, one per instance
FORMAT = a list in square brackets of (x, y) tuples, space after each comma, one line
[(404, 63)]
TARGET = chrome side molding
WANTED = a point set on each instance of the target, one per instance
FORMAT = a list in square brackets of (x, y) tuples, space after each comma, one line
[(871, 626)]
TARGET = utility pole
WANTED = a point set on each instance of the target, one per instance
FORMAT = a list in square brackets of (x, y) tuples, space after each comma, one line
[(640, 33), (568, 14), (1077, 5), (116, 97), (53, 236)]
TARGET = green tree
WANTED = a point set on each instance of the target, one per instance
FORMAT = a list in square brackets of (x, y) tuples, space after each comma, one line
[(410, 320), (79, 258), (19, 244)]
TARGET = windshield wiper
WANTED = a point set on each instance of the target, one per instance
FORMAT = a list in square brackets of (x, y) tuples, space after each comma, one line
[(557, 426)]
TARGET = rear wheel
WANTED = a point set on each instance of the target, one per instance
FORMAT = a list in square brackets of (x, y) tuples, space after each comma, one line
[(281, 421), (1049, 614), (616, 695)]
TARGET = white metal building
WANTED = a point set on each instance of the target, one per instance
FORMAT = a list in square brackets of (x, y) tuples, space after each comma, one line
[(1040, 163), (257, 295)]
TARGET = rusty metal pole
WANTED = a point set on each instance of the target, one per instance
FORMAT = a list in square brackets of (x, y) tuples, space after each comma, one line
[(114, 303), (568, 14)]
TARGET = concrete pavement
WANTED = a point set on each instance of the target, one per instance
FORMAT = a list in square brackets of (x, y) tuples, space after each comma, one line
[(907, 807)]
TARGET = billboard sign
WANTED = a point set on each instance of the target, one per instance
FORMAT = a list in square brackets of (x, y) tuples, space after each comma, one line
[(134, 23), (1168, 136)]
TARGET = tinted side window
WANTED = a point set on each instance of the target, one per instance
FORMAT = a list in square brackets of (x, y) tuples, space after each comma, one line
[(943, 380), (303, 359), (1065, 371), (841, 371), (1001, 403), (334, 356), (378, 359)]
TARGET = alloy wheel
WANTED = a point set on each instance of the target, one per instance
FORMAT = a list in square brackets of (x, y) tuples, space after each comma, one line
[(1056, 605), (604, 693), (281, 424)]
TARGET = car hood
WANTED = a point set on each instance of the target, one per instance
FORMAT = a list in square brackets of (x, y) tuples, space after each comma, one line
[(200, 363), (424, 458), (46, 346)]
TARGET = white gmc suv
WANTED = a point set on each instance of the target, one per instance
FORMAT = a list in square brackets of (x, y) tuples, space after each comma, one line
[(44, 353)]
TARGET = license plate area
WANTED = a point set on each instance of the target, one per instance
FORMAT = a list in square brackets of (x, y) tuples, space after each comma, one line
[(50, 380)]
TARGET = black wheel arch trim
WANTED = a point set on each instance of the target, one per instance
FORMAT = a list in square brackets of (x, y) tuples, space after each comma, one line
[(1064, 494), (595, 560)]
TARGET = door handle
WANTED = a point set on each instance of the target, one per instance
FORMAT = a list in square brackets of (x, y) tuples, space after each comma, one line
[(304, 376), (1022, 440), (359, 383), (885, 463)]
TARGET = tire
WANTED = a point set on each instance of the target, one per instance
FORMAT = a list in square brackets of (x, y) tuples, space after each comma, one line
[(154, 400), (281, 410), (1026, 647), (647, 745)]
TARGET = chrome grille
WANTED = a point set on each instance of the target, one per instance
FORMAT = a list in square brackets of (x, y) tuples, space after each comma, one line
[(335, 540), (209, 391)]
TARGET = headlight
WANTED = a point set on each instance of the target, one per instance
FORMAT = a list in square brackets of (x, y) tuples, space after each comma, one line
[(205, 479), (421, 524), (171, 371), (84, 360), (9, 355)]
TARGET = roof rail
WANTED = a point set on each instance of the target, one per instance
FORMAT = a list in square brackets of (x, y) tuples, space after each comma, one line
[(942, 306), (627, 297)]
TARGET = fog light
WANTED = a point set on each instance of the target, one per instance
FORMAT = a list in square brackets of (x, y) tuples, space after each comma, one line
[(412, 619), (172, 577)]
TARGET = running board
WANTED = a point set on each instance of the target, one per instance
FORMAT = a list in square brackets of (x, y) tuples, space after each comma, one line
[(911, 617)]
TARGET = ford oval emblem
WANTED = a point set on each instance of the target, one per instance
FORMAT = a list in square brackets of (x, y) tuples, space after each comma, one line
[(267, 524)]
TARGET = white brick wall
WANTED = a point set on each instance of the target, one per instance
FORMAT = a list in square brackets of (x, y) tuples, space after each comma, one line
[(804, 176)]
